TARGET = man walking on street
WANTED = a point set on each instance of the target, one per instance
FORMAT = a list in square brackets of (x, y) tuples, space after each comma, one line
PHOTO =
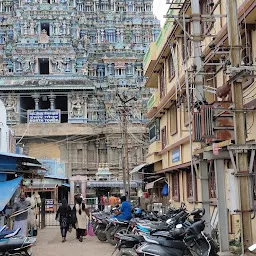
[(21, 220)]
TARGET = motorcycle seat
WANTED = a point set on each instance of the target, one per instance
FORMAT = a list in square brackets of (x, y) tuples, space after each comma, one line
[(153, 227), (177, 244), (122, 221), (131, 237), (9, 233), (155, 249)]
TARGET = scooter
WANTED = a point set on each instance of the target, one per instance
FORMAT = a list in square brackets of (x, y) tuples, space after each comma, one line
[(13, 244), (17, 245)]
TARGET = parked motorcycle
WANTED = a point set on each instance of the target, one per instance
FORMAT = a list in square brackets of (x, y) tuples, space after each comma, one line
[(195, 242), (117, 226)]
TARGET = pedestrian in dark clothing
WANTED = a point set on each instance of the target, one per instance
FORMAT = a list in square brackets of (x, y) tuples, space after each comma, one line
[(64, 215)]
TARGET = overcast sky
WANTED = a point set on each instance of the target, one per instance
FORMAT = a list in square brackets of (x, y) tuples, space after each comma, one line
[(160, 8)]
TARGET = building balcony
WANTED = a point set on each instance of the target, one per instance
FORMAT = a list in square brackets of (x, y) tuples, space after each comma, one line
[(153, 150), (149, 60), (153, 101)]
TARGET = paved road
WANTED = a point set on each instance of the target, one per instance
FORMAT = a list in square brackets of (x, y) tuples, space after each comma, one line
[(49, 244)]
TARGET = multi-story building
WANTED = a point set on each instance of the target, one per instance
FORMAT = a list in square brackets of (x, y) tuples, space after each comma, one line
[(176, 136), (62, 65)]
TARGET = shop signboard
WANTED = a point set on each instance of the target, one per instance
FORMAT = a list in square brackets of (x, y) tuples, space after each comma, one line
[(49, 203), (44, 116)]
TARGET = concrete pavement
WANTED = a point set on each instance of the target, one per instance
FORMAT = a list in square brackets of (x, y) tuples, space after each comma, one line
[(49, 244)]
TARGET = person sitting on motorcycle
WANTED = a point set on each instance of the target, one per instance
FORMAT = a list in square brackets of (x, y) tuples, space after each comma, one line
[(125, 212)]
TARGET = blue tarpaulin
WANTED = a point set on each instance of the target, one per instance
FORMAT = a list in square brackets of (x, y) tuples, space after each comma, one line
[(7, 190)]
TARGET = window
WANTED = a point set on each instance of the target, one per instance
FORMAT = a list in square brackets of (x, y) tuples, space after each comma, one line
[(152, 133), (163, 136), (190, 186), (162, 83), (92, 39), (88, 8), (79, 157), (43, 66), (80, 7), (206, 8), (247, 46), (46, 26), (175, 187), (173, 119), (186, 53), (171, 70), (120, 72)]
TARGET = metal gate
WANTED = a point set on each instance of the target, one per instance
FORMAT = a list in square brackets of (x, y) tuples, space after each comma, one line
[(49, 209), (48, 214)]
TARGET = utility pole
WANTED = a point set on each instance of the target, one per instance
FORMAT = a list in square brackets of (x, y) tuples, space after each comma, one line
[(199, 95), (123, 119), (124, 100), (125, 151), (239, 125)]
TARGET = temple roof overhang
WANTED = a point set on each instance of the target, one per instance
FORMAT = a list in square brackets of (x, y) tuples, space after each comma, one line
[(37, 82)]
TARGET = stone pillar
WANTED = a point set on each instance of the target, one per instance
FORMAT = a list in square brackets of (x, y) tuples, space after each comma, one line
[(97, 144), (64, 28), (122, 36), (102, 35), (117, 35), (68, 29), (86, 108), (85, 155), (83, 188), (36, 99), (57, 29), (72, 191), (25, 28), (22, 28), (107, 157), (52, 101), (98, 36)]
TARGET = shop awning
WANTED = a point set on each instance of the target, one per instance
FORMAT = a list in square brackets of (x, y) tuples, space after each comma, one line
[(138, 168), (151, 184), (109, 184), (7, 190), (10, 161)]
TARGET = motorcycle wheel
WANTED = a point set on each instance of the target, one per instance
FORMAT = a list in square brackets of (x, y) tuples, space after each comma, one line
[(101, 235), (110, 234)]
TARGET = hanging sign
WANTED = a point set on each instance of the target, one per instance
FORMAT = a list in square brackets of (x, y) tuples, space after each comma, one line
[(44, 116)]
